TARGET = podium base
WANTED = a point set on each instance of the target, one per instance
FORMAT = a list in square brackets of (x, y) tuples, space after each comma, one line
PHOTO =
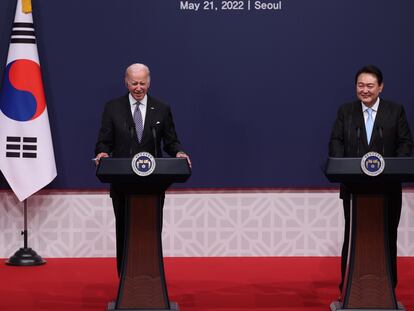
[(173, 307), (337, 306), (25, 257)]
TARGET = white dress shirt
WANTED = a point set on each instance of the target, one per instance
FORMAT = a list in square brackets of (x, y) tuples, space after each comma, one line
[(142, 107), (374, 110)]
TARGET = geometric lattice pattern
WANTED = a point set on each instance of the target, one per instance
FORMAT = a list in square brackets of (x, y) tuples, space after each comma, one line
[(198, 224), (59, 225), (406, 227), (253, 224)]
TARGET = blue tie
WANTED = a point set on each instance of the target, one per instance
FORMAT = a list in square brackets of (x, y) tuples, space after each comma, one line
[(139, 126), (369, 125)]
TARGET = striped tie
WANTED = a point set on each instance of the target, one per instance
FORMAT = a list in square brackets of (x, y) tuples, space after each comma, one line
[(139, 126)]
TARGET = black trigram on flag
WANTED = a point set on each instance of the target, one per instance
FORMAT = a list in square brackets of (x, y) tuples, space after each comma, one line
[(21, 147), (23, 33)]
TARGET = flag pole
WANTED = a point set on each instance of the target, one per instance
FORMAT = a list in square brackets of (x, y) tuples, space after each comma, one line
[(27, 161), (25, 256)]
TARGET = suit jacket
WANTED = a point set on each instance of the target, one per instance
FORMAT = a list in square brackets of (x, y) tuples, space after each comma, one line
[(391, 136), (118, 137)]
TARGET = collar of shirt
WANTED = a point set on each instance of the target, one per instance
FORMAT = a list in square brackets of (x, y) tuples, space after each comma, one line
[(142, 106), (374, 107), (132, 101), (374, 110)]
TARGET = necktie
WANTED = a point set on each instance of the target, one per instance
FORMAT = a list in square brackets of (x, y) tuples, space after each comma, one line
[(139, 126), (369, 125)]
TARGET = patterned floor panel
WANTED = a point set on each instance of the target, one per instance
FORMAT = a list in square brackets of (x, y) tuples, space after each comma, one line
[(239, 223)]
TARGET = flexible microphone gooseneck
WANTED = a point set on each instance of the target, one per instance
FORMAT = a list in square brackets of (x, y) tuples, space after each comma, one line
[(381, 134), (132, 132), (154, 136), (358, 134), (348, 145)]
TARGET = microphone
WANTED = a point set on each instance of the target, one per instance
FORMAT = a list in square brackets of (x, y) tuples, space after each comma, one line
[(358, 134), (381, 134), (132, 132), (348, 151), (154, 136)]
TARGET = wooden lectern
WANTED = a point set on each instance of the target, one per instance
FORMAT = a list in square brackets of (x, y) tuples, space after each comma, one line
[(142, 283), (368, 282)]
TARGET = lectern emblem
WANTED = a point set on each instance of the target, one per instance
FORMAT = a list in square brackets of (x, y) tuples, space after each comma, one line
[(143, 164), (372, 164)]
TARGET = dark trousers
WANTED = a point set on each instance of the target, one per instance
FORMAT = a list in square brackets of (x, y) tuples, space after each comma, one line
[(393, 218), (120, 208)]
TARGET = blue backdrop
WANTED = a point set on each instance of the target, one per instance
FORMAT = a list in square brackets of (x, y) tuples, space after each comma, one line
[(254, 93)]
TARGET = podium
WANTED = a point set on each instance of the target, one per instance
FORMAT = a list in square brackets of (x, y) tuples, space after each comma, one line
[(368, 280), (142, 283)]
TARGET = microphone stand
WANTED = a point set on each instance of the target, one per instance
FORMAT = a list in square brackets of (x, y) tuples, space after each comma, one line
[(25, 256), (382, 140), (154, 136), (358, 130), (132, 130)]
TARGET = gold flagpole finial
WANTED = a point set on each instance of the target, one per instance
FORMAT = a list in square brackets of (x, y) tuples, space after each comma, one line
[(27, 6)]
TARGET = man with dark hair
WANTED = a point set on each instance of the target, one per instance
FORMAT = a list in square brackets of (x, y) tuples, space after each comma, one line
[(370, 69), (128, 123), (371, 124)]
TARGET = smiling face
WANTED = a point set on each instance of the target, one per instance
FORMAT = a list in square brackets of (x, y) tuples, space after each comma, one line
[(137, 81), (368, 88)]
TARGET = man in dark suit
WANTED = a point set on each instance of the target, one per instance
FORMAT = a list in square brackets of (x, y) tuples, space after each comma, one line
[(135, 122), (371, 124)]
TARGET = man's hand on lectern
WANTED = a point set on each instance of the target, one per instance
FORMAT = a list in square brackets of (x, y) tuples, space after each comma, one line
[(182, 154), (99, 156)]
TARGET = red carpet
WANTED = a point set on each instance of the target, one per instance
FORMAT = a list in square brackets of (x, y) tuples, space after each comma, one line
[(197, 284)]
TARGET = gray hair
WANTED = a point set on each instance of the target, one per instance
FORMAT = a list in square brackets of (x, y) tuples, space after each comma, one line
[(138, 67)]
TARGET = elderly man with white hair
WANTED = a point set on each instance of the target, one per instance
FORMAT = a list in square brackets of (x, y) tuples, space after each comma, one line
[(128, 125)]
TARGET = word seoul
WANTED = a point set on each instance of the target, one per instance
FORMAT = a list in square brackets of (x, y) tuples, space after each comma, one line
[(230, 5)]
